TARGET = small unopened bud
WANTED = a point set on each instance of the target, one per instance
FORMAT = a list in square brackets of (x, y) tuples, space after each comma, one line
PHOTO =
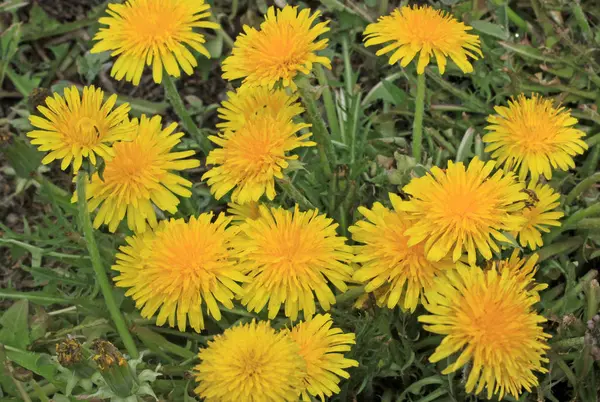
[(590, 324), (596, 318), (69, 352)]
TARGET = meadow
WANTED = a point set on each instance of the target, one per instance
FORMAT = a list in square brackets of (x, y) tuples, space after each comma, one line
[(341, 200)]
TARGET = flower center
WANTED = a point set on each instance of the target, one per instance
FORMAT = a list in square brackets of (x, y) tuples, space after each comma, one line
[(157, 24), (131, 165), (86, 131)]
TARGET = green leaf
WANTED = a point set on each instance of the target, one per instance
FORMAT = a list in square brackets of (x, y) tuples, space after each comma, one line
[(40, 363), (15, 330), (23, 157), (12, 5), (490, 29), (39, 22), (396, 95), (9, 44), (215, 47), (90, 64)]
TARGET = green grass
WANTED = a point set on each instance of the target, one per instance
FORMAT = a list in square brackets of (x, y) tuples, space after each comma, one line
[(363, 119)]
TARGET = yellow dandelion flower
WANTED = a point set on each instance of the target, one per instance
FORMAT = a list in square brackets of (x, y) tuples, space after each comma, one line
[(179, 268), (285, 45), (153, 32), (463, 208), (139, 176), (320, 346), (539, 214), (533, 137), (489, 318), (251, 158), (250, 363), (429, 32), (240, 212), (247, 102), (288, 256), (77, 127), (524, 269), (388, 261)]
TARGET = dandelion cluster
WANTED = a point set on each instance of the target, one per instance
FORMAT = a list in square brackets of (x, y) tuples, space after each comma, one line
[(437, 250), (253, 362)]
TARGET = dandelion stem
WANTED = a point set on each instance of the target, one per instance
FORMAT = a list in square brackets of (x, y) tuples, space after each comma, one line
[(417, 140), (569, 343), (329, 103), (292, 191), (186, 119), (321, 135), (101, 277)]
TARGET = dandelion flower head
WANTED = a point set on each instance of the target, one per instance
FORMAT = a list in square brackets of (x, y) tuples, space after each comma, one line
[(139, 176), (428, 32), (80, 126), (250, 363), (488, 318), (285, 45), (463, 210), (533, 137), (291, 256), (540, 214), (387, 261), (245, 103), (251, 158), (153, 32), (180, 269), (322, 347)]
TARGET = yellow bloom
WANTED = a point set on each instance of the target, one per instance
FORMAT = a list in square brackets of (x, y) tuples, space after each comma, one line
[(285, 45), (250, 363), (388, 261), (464, 209), (539, 215), (523, 269), (153, 32), (179, 268), (288, 256), (241, 212), (320, 346), (429, 32), (252, 157), (139, 176), (77, 127), (489, 318), (244, 104), (532, 136)]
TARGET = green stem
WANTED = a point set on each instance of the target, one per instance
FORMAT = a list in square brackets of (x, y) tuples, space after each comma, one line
[(383, 7), (322, 137), (580, 188), (347, 64), (572, 220), (417, 140), (188, 122), (101, 277), (329, 103), (569, 343), (292, 191)]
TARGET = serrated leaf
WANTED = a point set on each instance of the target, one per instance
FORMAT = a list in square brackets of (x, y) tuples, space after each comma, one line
[(14, 322), (90, 64), (490, 29)]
